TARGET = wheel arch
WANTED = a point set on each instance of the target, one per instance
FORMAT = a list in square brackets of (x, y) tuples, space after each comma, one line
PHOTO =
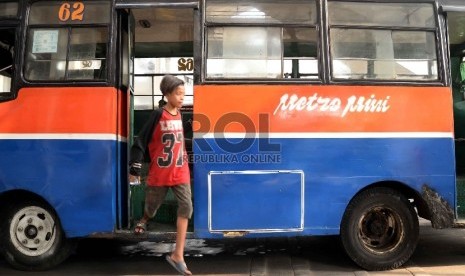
[(411, 194), (13, 196), (59, 248)]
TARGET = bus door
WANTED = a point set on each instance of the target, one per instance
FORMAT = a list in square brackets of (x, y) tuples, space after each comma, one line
[(125, 83), (162, 43), (9, 26), (456, 40)]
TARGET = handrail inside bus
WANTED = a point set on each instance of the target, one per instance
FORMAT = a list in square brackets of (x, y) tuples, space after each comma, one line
[(6, 68), (452, 6), (137, 4)]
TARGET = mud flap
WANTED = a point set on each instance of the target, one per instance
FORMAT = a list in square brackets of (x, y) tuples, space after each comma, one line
[(442, 215)]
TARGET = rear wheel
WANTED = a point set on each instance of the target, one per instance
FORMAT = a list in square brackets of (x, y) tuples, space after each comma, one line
[(379, 229), (32, 237)]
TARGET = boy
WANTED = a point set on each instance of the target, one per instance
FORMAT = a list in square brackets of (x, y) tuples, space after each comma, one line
[(164, 142)]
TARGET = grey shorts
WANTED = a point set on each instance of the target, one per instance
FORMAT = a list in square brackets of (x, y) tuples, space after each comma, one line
[(155, 195)]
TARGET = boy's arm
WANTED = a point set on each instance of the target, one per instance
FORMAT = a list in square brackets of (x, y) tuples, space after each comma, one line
[(141, 143)]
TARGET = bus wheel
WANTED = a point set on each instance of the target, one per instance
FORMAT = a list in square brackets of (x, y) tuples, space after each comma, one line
[(379, 230), (32, 237)]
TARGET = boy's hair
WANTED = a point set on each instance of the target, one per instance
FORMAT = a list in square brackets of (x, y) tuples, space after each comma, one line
[(169, 83)]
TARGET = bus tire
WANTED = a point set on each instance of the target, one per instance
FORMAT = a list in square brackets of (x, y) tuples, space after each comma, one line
[(379, 229), (32, 238)]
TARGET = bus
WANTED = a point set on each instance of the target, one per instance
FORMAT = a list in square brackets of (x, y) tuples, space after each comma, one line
[(302, 118)]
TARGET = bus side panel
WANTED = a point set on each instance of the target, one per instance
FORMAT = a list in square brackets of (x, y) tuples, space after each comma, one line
[(61, 143), (341, 139), (76, 177), (334, 171), (277, 203)]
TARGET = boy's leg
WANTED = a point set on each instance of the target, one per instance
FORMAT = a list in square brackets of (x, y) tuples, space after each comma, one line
[(183, 195), (181, 231), (154, 197)]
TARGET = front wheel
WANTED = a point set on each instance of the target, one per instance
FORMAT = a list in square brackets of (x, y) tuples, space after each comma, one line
[(32, 237), (379, 230)]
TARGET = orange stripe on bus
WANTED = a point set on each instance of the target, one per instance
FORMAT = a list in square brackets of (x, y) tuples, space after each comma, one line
[(61, 110), (313, 108)]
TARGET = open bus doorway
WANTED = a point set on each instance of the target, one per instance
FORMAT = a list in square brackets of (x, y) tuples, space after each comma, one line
[(456, 25), (163, 44)]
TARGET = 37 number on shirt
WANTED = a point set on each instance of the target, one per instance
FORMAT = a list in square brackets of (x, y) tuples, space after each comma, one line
[(169, 140)]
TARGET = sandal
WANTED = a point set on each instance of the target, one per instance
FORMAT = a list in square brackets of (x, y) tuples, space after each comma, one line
[(140, 228), (181, 266)]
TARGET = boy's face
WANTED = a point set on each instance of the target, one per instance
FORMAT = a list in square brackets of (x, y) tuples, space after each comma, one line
[(176, 98)]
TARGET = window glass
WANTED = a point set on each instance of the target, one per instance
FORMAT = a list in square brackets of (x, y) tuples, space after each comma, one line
[(8, 9), (144, 102), (261, 52), (47, 52), (305, 69), (300, 53), (7, 53), (88, 12), (144, 85), (87, 53), (261, 11), (235, 52), (381, 14), (383, 54)]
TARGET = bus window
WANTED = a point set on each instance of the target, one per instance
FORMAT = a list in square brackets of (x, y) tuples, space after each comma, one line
[(402, 47), (66, 50), (244, 52), (268, 49), (7, 47)]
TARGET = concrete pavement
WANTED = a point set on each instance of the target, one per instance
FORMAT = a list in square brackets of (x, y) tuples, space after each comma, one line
[(439, 252)]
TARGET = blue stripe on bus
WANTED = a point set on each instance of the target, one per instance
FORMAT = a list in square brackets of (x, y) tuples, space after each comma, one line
[(334, 171), (76, 177)]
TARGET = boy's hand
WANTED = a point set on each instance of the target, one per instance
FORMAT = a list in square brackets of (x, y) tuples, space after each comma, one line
[(133, 179)]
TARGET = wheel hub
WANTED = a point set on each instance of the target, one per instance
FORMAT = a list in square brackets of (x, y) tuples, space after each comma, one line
[(32, 230), (376, 225), (380, 229)]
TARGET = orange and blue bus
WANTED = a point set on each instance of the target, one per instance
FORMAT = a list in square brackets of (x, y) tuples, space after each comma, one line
[(302, 118)]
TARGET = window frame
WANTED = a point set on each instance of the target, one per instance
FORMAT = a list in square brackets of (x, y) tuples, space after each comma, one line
[(316, 26)]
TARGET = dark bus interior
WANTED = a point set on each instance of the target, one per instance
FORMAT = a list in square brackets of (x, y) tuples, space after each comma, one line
[(456, 25), (163, 45)]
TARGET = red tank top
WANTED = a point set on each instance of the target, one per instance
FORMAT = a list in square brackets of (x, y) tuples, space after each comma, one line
[(168, 155)]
